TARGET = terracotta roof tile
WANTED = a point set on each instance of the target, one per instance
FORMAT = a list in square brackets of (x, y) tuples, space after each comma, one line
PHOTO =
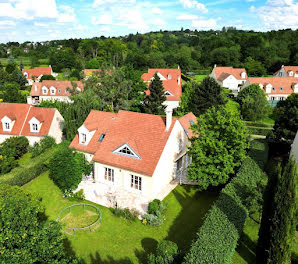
[(144, 133), (36, 72), (186, 121), (36, 89), (23, 113), (286, 84), (236, 72), (170, 85)]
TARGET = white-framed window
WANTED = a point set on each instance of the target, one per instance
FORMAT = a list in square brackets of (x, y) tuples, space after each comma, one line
[(59, 91), (44, 91), (7, 126), (34, 127), (52, 91), (136, 182), (169, 77), (109, 174), (167, 93), (126, 151), (84, 138)]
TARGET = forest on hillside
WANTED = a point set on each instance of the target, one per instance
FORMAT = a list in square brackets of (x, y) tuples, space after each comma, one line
[(260, 53)]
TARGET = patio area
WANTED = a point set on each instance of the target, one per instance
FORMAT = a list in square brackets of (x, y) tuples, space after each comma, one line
[(110, 195)]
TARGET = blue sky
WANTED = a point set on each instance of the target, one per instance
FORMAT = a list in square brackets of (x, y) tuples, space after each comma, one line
[(40, 20)]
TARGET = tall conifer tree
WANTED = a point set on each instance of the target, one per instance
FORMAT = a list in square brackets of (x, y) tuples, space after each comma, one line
[(153, 103)]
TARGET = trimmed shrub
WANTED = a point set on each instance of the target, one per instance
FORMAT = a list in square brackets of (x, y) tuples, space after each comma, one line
[(166, 252), (217, 238), (14, 147), (153, 206), (23, 174), (44, 144)]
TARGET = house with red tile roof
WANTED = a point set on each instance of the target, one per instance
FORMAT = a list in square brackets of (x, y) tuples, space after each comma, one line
[(171, 80), (287, 71), (135, 156), (275, 89), (51, 90), (34, 75), (29, 121), (229, 77)]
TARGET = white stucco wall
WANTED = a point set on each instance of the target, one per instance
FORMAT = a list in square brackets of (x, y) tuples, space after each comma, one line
[(171, 104), (122, 178), (294, 149), (57, 127), (231, 83), (165, 170)]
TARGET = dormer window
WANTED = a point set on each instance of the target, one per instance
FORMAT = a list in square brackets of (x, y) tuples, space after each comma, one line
[(126, 150), (169, 77), (35, 125), (290, 73), (84, 138), (44, 90), (85, 135), (7, 124), (167, 93), (59, 91), (52, 90), (243, 75)]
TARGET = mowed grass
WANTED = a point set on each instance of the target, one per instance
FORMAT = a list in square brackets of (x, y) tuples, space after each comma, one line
[(200, 77), (26, 62), (118, 240)]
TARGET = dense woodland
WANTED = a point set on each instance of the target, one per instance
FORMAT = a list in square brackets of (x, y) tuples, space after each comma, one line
[(260, 53)]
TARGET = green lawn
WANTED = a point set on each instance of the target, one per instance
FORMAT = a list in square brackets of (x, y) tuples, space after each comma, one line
[(24, 159), (118, 240), (200, 77), (26, 62)]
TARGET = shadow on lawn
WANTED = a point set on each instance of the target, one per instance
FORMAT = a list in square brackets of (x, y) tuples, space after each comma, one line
[(247, 248), (191, 217), (96, 259), (149, 245)]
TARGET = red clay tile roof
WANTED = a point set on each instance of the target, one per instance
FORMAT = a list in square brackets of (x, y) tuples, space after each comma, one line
[(236, 72), (23, 114), (36, 89), (169, 85), (36, 72), (90, 71), (286, 84), (186, 121), (144, 133), (294, 69)]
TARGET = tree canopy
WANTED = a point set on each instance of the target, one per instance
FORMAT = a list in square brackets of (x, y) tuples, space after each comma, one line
[(218, 146), (253, 103)]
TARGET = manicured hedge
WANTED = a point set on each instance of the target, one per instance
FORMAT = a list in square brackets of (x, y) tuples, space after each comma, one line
[(259, 131), (217, 238), (23, 174)]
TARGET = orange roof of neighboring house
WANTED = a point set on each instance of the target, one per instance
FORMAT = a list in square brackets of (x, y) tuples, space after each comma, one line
[(285, 83), (291, 68), (22, 114), (146, 134), (236, 72), (186, 121), (88, 72), (172, 85), (36, 72), (61, 87)]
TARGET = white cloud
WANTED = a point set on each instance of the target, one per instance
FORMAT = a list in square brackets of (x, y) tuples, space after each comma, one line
[(156, 10), (98, 3), (37, 24), (105, 29), (80, 27), (7, 23), (22, 9), (105, 19), (187, 17), (278, 14), (194, 4), (132, 18), (204, 23), (67, 14), (158, 22)]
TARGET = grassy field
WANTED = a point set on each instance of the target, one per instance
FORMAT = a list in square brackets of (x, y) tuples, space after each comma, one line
[(200, 77), (120, 241), (26, 62)]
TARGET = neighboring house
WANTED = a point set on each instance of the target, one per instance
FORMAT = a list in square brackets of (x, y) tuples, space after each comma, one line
[(287, 71), (34, 75), (276, 89), (229, 77), (135, 156), (89, 72), (29, 121), (51, 90), (294, 149), (171, 80)]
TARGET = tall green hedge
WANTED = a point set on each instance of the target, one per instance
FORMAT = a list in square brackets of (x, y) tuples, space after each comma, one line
[(217, 238), (23, 174)]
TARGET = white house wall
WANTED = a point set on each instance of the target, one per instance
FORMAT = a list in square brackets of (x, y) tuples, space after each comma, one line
[(57, 127), (165, 170)]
